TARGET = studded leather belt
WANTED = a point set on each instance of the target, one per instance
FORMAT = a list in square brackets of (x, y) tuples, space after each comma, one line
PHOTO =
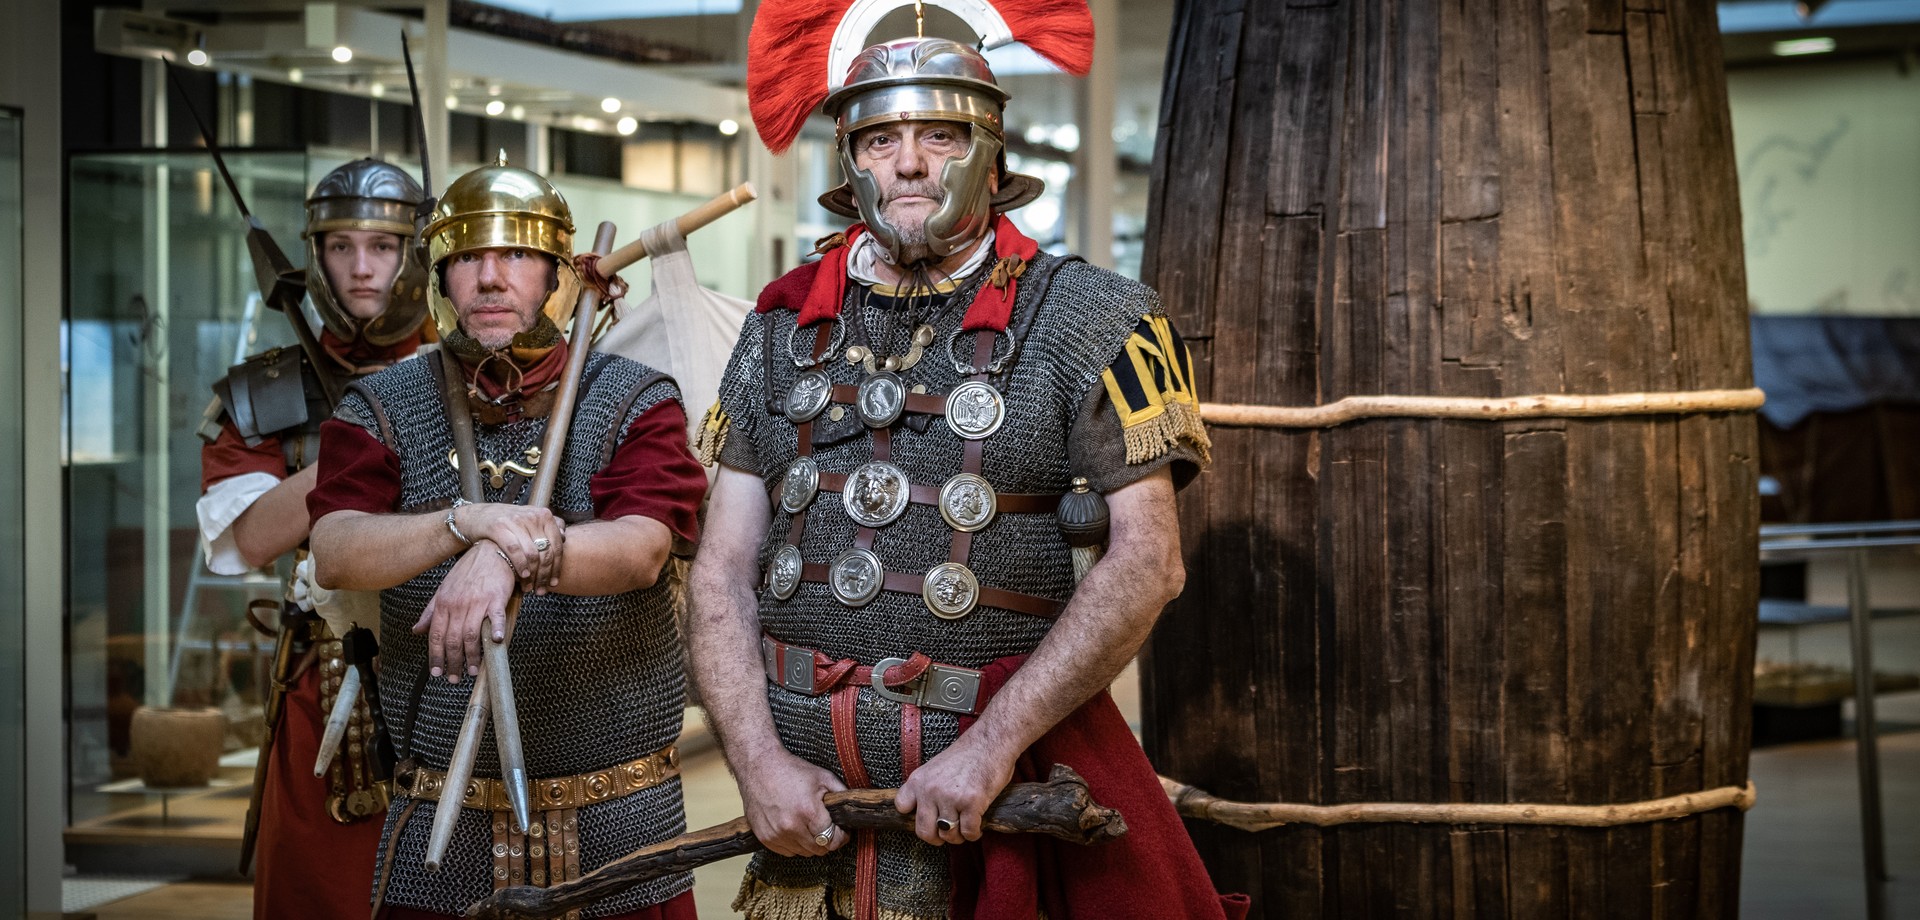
[(552, 794)]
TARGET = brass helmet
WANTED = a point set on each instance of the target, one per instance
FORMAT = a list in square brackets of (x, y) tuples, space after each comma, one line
[(501, 206), (367, 194), (927, 79)]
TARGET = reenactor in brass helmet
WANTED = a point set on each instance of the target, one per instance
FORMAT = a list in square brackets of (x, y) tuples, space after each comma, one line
[(596, 656)]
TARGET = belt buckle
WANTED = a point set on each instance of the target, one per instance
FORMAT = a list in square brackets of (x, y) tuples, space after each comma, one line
[(940, 686), (795, 667)]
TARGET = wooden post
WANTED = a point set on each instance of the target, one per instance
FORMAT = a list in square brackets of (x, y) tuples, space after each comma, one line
[(1423, 198)]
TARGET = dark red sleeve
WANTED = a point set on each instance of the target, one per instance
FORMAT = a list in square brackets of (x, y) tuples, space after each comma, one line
[(357, 473), (654, 474), (229, 456)]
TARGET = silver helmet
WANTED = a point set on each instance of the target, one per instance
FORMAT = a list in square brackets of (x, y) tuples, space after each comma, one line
[(928, 79), (367, 194)]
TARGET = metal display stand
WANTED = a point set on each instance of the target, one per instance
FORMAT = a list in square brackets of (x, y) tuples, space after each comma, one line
[(1855, 542)]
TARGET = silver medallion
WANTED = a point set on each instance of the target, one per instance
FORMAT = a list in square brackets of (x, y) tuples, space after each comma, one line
[(811, 393), (784, 575), (856, 577), (881, 399), (799, 486), (950, 590), (975, 410), (876, 494), (968, 502)]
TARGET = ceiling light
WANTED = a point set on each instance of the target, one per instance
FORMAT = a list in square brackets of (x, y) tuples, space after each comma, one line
[(495, 107), (197, 58), (294, 75), (729, 127), (609, 105), (377, 90), (342, 54), (453, 102), (517, 112), (493, 89), (1798, 46), (626, 125)]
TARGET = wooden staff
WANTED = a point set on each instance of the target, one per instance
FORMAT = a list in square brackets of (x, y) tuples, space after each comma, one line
[(1061, 807), (493, 688)]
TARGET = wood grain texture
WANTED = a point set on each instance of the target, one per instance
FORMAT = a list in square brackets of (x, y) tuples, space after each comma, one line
[(1434, 198)]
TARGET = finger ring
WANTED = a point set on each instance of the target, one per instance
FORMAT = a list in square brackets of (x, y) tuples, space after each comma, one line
[(944, 825), (825, 836), (540, 544)]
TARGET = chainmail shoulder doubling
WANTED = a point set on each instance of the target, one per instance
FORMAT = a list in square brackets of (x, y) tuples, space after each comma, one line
[(600, 680), (1083, 322)]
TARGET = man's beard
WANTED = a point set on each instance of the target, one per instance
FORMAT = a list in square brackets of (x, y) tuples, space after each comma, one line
[(911, 230), (496, 339)]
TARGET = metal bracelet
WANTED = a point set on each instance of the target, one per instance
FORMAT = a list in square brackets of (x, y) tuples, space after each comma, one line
[(454, 528)]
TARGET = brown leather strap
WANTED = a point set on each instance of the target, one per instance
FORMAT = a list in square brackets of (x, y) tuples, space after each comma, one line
[(797, 527), (910, 583), (923, 494), (922, 403), (960, 544), (387, 857)]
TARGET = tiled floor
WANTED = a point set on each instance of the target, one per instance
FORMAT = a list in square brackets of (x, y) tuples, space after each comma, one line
[(1802, 854)]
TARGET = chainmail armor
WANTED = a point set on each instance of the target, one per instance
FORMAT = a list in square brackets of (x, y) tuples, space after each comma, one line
[(599, 680), (1085, 319)]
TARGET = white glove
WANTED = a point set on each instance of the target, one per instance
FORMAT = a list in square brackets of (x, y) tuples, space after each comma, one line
[(342, 610)]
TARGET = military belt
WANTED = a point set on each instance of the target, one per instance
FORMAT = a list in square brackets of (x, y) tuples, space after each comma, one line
[(556, 793), (914, 680)]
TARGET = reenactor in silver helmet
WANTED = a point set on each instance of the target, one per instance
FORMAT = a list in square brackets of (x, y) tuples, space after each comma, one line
[(901, 584), (257, 466)]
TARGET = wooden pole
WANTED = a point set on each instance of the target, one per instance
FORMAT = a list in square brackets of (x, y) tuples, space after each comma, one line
[(493, 688), (1480, 202), (1062, 808)]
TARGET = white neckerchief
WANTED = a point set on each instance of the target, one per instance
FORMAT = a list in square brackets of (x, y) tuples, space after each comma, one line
[(867, 254)]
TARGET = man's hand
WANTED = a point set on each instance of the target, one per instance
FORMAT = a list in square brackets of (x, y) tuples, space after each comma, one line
[(474, 592), (957, 784), (782, 794), (520, 532)]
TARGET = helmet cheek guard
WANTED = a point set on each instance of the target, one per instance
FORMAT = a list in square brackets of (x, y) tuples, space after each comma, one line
[(963, 215), (366, 194)]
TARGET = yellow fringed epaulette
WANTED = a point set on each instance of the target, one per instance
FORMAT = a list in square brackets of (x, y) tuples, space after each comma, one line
[(1151, 385), (712, 436)]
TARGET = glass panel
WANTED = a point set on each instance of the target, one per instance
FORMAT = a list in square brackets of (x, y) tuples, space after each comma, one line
[(162, 300), (13, 600)]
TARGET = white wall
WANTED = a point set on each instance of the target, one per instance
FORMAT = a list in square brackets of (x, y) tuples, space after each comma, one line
[(1829, 159)]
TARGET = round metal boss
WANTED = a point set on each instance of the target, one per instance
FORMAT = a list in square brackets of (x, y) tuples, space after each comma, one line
[(968, 502), (881, 399), (876, 494), (975, 410), (856, 577), (950, 590), (800, 485), (784, 575), (811, 393)]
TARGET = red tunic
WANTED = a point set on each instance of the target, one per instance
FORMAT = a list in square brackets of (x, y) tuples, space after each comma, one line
[(651, 474), (1152, 871)]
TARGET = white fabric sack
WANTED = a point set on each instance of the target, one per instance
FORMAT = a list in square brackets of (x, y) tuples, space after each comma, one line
[(681, 329)]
